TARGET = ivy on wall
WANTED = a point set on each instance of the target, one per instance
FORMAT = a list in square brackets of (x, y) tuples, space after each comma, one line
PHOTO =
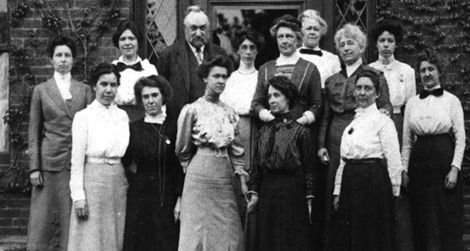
[(443, 25), (86, 25)]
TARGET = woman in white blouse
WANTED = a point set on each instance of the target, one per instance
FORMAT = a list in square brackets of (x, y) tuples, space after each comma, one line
[(127, 39), (98, 183), (241, 86), (368, 176), (400, 77), (432, 151), (402, 86)]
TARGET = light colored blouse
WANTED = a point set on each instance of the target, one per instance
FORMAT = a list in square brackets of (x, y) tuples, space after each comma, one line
[(239, 91), (63, 83), (371, 134), (327, 64), (125, 94), (401, 81), (431, 116), (98, 132), (205, 123)]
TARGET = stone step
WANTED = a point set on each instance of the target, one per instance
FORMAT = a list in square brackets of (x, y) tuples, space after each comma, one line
[(13, 243)]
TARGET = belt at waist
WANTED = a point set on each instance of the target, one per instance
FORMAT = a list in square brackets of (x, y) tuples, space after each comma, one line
[(103, 160), (219, 152), (430, 136), (362, 161)]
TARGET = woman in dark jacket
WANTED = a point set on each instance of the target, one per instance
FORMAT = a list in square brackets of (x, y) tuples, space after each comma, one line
[(283, 177), (154, 174)]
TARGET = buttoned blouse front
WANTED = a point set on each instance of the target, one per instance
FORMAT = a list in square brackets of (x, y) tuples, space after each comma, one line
[(100, 132), (125, 94), (433, 116), (371, 134), (401, 82), (205, 123)]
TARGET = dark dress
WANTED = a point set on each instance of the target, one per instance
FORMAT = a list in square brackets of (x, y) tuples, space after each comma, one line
[(283, 177), (153, 188), (339, 110)]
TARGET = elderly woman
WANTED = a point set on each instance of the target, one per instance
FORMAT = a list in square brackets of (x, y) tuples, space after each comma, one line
[(53, 107), (340, 102), (127, 39), (208, 148), (283, 177), (368, 176), (432, 151), (313, 29), (303, 74), (156, 181), (387, 35), (98, 183)]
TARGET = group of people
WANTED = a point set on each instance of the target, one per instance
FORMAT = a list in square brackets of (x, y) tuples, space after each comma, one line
[(302, 154)]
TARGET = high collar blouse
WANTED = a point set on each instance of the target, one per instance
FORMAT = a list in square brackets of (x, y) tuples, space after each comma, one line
[(98, 132), (371, 134), (125, 94), (211, 124), (401, 81), (431, 116)]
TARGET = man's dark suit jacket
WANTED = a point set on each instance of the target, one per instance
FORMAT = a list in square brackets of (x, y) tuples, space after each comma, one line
[(50, 124), (177, 64)]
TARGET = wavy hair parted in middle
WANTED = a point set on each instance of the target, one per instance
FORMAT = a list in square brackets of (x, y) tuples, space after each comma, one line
[(351, 31)]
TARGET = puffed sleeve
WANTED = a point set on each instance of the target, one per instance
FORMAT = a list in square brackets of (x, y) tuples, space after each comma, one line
[(407, 137), (458, 128), (260, 97), (391, 148), (305, 146), (236, 149), (79, 146), (410, 81), (185, 148), (383, 102), (35, 129)]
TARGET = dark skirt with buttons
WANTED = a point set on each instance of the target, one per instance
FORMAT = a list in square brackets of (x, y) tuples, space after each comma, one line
[(437, 212), (364, 220)]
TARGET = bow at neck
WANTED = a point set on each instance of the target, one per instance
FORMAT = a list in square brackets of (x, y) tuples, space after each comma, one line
[(311, 52), (122, 66), (435, 92)]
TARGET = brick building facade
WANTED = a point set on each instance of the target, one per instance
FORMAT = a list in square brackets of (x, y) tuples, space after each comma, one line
[(162, 22)]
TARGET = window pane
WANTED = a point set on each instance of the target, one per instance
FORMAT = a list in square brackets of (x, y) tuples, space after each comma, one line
[(160, 25)]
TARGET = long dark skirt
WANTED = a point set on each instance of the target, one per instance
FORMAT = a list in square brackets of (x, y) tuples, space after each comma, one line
[(335, 132), (50, 213), (364, 220), (283, 222), (150, 222), (403, 226), (437, 212)]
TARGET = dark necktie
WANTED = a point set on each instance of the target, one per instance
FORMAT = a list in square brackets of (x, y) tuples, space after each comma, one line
[(136, 67), (311, 52), (436, 92)]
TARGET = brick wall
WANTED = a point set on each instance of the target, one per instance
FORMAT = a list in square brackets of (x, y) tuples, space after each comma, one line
[(14, 212), (14, 208)]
